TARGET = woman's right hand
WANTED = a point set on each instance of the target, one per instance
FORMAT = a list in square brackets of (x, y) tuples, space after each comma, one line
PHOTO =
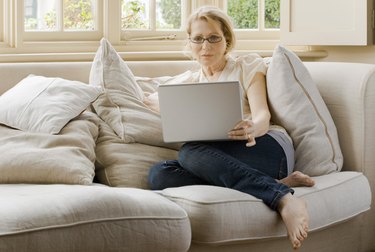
[(243, 130)]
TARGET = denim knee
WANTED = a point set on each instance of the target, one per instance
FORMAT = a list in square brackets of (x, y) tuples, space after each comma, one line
[(155, 176), (188, 150)]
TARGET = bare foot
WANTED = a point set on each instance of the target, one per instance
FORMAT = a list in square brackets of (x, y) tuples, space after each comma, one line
[(294, 213), (298, 178)]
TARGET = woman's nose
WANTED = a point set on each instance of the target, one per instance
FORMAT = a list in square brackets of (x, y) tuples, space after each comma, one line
[(206, 44)]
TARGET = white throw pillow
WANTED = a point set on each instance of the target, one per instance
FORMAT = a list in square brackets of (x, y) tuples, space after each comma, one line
[(121, 105), (45, 105), (41, 158), (296, 104)]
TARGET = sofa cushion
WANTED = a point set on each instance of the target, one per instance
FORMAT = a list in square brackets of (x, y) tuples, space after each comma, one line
[(64, 158), (130, 136), (220, 215), (296, 104), (126, 164), (44, 104), (79, 218), (121, 105)]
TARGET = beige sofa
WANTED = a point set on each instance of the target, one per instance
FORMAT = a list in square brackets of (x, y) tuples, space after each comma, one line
[(201, 218)]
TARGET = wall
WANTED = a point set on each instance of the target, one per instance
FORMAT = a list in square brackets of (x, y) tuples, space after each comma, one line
[(362, 54)]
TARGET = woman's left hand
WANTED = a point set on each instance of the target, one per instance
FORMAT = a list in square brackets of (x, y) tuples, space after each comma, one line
[(244, 130)]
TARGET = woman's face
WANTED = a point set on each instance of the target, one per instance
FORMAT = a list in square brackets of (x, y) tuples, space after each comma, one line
[(207, 54)]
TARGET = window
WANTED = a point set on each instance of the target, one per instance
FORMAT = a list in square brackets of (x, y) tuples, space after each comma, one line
[(157, 20), (155, 29), (254, 15), (255, 19), (145, 20), (67, 29), (56, 20), (30, 9)]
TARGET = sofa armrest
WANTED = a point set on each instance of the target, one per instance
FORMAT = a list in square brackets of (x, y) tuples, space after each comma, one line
[(349, 92)]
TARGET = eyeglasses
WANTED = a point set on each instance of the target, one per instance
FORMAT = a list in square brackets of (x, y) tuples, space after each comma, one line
[(211, 39)]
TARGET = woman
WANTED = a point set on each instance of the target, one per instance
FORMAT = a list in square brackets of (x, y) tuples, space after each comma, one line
[(257, 159)]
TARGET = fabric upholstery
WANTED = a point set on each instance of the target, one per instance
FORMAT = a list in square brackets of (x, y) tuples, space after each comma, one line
[(79, 218), (126, 164), (232, 216)]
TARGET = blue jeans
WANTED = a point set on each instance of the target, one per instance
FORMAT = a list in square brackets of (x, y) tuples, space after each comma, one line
[(231, 164)]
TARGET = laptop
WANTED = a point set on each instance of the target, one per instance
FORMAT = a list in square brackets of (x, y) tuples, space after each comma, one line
[(199, 111)]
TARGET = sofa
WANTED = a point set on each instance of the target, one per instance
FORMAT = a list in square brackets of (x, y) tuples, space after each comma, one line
[(104, 217)]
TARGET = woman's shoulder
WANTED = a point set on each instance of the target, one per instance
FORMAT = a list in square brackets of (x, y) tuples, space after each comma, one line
[(249, 64), (247, 58)]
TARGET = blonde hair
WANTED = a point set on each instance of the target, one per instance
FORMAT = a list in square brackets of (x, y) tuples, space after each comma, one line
[(210, 14)]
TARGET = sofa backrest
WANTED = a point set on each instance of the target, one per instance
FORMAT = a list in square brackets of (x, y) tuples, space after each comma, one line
[(12, 73), (347, 88)]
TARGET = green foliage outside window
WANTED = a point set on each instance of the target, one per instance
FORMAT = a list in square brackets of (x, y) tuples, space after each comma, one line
[(272, 14), (244, 13), (78, 15), (171, 14), (133, 15)]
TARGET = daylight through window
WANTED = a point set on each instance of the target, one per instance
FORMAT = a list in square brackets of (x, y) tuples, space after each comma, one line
[(60, 15)]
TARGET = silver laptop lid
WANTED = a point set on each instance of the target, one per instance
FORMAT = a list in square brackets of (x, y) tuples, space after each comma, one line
[(199, 111)]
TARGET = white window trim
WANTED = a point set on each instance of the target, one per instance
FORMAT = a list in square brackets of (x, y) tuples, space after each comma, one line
[(2, 19), (7, 24)]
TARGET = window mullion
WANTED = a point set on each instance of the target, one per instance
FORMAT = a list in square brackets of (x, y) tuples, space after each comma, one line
[(261, 15), (15, 33), (112, 20), (60, 15), (152, 15), (185, 12), (2, 20)]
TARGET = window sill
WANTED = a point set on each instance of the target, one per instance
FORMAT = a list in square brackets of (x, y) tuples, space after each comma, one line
[(137, 56)]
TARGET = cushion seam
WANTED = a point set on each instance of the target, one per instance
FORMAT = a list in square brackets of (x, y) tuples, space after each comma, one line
[(35, 97), (321, 119), (357, 176), (229, 241), (80, 223)]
